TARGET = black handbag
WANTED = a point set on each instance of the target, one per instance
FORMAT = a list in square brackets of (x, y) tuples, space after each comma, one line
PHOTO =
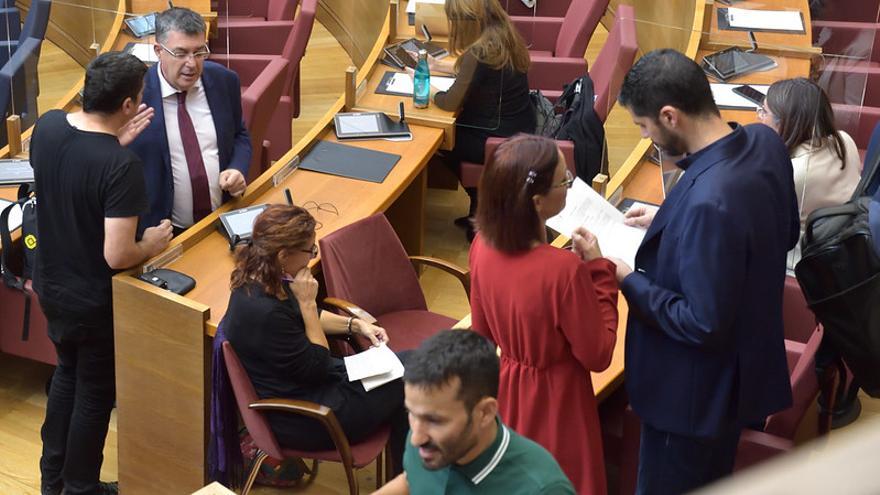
[(839, 274), (176, 282)]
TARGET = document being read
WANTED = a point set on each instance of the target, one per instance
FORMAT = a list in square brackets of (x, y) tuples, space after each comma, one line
[(585, 207), (374, 367)]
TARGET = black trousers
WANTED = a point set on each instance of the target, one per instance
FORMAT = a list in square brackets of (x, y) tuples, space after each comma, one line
[(361, 414), (674, 464), (80, 400)]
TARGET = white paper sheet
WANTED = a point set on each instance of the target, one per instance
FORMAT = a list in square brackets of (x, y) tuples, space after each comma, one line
[(14, 215), (374, 367), (585, 207), (396, 372), (782, 20), (402, 82), (725, 97)]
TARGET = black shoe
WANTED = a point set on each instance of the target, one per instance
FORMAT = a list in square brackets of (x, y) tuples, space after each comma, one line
[(51, 490)]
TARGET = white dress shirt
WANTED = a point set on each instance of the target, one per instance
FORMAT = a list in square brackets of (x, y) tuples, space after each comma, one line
[(200, 113)]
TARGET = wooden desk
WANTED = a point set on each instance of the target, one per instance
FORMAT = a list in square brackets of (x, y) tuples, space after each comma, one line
[(163, 340), (786, 44), (432, 116)]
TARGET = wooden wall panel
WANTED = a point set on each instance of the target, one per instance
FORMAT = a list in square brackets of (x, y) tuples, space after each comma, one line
[(356, 24)]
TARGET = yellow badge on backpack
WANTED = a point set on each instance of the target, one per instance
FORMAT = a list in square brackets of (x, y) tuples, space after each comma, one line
[(30, 241)]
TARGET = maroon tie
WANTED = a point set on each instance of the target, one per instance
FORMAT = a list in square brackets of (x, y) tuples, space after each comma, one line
[(201, 193)]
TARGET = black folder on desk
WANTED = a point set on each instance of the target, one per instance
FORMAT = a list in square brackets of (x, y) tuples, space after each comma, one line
[(724, 23), (348, 161)]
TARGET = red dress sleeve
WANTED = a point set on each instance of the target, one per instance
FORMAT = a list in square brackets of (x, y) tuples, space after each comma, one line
[(588, 314), (478, 317)]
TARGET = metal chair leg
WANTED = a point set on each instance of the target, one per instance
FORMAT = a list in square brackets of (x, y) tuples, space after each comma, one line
[(255, 468), (379, 470)]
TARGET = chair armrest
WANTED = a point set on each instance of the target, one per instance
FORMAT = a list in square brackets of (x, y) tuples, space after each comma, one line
[(349, 308), (552, 73), (463, 276), (323, 414), (539, 33)]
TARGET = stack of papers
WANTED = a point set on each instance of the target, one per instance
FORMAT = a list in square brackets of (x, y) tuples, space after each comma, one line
[(374, 367), (402, 83), (761, 20), (585, 207)]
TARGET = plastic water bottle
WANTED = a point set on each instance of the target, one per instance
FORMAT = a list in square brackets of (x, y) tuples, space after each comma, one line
[(422, 81)]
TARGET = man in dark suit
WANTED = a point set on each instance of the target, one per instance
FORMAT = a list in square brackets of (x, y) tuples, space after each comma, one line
[(195, 150), (705, 354)]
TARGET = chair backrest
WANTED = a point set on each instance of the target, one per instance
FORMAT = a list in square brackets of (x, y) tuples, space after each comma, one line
[(37, 20), (804, 389), (365, 263), (580, 21), (281, 10), (614, 60), (542, 8), (258, 103), (798, 320), (857, 121), (19, 85), (295, 46), (242, 8), (10, 24), (245, 395)]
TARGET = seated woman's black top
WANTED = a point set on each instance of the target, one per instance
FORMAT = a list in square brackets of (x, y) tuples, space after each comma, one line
[(269, 337), (494, 100)]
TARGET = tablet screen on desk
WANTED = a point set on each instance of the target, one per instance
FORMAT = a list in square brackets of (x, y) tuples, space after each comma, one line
[(356, 124), (241, 222)]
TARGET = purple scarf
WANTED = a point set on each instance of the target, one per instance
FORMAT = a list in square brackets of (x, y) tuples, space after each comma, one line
[(225, 462)]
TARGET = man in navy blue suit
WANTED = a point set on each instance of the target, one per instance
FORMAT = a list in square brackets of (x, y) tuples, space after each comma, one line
[(195, 148), (705, 354)]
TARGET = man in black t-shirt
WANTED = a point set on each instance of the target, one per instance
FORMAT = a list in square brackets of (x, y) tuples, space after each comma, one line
[(91, 191)]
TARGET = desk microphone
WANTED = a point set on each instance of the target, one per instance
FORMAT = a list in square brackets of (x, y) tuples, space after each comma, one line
[(400, 111), (288, 196)]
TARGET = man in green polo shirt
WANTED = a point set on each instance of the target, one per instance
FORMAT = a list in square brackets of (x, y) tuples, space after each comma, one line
[(457, 444)]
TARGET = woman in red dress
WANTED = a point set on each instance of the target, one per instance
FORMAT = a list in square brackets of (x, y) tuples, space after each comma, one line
[(552, 311)]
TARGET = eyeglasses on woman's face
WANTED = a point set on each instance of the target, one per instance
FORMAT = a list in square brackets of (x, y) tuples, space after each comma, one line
[(313, 251), (568, 181)]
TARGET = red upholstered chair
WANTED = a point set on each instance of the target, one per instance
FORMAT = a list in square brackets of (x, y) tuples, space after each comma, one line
[(253, 409), (562, 36), (798, 321), (258, 42), (550, 74), (754, 446), (848, 10), (258, 104), (779, 430), (257, 10), (542, 8), (38, 346), (366, 269), (614, 60), (854, 40), (471, 172), (858, 122)]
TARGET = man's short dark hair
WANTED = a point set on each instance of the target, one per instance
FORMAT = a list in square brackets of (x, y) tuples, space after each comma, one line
[(451, 353), (666, 77), (179, 19), (110, 79)]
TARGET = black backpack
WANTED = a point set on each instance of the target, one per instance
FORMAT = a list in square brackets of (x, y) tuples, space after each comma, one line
[(839, 274), (27, 201), (574, 119)]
